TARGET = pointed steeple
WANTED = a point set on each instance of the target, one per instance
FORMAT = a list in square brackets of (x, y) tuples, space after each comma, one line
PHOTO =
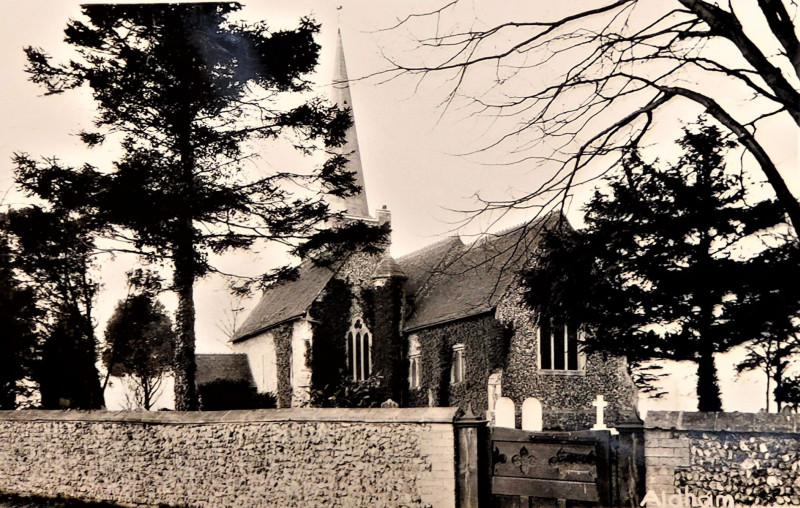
[(356, 205)]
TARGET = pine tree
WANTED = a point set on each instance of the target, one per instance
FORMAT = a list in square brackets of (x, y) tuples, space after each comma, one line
[(18, 314), (660, 270), (184, 89), (52, 254)]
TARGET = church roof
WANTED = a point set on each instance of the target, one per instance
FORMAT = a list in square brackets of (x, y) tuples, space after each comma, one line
[(473, 281), (285, 301), (227, 367), (446, 281), (421, 264)]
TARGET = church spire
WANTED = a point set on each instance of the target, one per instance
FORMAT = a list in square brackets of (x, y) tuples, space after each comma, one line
[(356, 205)]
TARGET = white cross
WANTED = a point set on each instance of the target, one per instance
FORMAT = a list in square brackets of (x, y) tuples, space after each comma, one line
[(600, 404)]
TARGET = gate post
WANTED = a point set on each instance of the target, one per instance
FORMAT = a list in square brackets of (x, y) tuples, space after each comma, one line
[(630, 466), (469, 428)]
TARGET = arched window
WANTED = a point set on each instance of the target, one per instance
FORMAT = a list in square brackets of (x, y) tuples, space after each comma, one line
[(457, 367), (414, 365), (359, 350)]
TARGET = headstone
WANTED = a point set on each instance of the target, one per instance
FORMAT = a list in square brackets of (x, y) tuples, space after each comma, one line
[(505, 413), (495, 391), (600, 404), (532, 415), (389, 404)]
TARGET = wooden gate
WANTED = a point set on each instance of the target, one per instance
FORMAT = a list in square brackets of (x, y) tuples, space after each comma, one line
[(583, 468)]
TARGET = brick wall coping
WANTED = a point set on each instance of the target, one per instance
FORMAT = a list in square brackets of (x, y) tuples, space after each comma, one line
[(377, 415), (739, 422)]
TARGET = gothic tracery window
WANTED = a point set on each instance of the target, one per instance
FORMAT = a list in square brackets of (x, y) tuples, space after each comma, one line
[(359, 350)]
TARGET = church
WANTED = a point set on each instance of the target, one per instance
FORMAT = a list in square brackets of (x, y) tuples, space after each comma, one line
[(442, 326)]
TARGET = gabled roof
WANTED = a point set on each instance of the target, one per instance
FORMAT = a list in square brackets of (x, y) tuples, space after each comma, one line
[(473, 281), (227, 367), (285, 301)]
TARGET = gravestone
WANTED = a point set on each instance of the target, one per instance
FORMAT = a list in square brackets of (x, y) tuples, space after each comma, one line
[(505, 413), (600, 404), (532, 414), (495, 391), (600, 423)]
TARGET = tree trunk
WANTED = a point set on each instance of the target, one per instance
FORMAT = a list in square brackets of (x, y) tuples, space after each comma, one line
[(184, 363), (95, 390), (768, 380), (708, 396), (183, 259)]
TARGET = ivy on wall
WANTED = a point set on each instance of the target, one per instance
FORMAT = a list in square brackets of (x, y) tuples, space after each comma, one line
[(346, 296), (327, 356), (283, 360), (486, 344), (383, 309)]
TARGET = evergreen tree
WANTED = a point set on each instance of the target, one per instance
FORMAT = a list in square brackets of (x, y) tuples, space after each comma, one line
[(18, 346), (661, 270), (53, 251), (184, 88), (140, 343)]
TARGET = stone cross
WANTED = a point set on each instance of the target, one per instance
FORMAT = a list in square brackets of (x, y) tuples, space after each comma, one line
[(505, 413), (532, 415), (600, 404)]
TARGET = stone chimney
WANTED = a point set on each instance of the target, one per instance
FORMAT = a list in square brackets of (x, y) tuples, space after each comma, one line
[(384, 216)]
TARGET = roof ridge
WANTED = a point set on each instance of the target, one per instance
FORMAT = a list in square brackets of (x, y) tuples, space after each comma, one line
[(430, 247), (535, 222)]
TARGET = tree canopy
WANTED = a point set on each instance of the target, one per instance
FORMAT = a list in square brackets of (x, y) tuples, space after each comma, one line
[(52, 257), (578, 83), (184, 90), (140, 343), (666, 267), (19, 347)]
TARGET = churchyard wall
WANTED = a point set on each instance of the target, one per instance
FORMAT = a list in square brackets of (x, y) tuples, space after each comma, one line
[(721, 459), (284, 457)]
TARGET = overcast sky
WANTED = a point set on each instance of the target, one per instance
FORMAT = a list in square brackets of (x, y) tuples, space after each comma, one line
[(410, 151)]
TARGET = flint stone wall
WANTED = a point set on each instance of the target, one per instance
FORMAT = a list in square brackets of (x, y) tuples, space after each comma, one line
[(284, 457), (566, 397), (753, 457)]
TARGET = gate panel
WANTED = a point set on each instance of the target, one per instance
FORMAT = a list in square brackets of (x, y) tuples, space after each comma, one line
[(552, 465)]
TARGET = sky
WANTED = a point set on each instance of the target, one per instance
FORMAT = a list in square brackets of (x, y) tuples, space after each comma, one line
[(412, 150)]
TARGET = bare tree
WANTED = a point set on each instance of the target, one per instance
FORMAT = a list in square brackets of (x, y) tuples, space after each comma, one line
[(230, 322), (772, 356), (584, 84)]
